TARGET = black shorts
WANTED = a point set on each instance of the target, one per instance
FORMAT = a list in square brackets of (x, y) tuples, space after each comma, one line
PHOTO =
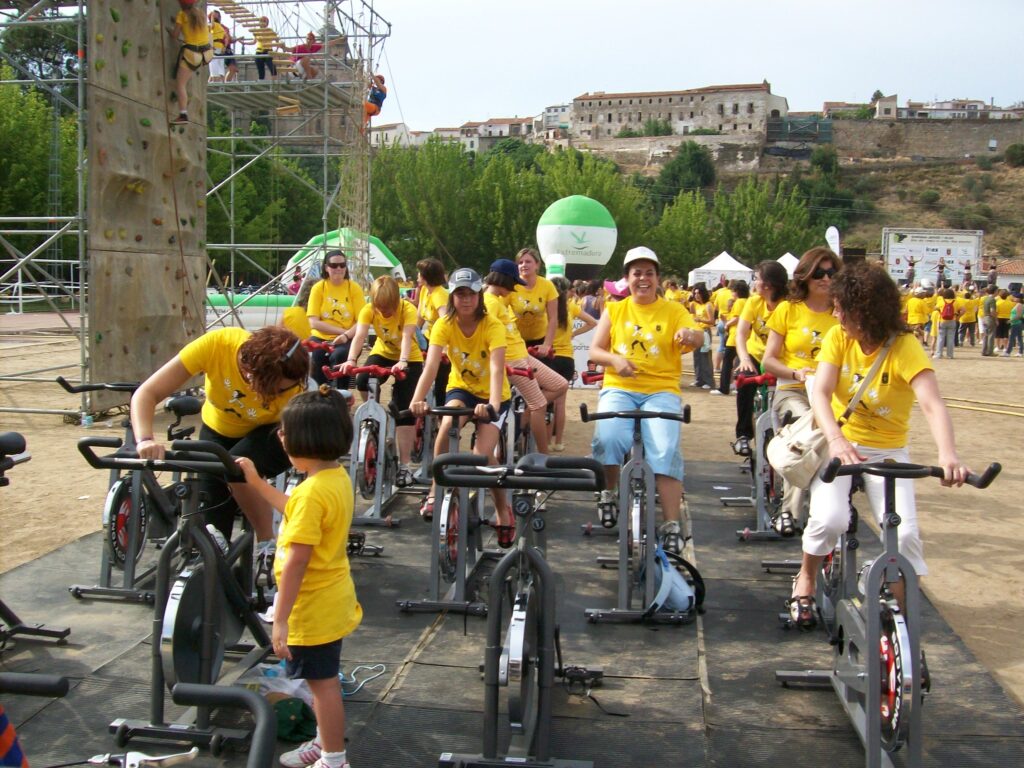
[(564, 367), (1002, 328), (314, 662)]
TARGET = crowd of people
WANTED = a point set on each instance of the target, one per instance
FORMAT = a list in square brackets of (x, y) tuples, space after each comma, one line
[(820, 332)]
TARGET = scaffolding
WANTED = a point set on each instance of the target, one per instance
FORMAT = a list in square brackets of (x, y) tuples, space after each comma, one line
[(319, 120)]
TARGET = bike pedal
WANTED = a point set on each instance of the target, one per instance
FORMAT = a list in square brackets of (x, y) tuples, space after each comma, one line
[(583, 675)]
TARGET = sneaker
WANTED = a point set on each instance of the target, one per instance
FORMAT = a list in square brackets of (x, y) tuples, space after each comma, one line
[(716, 392), (558, 447), (302, 756), (181, 119), (608, 509), (741, 447), (218, 537), (404, 477), (322, 764), (706, 386), (670, 535)]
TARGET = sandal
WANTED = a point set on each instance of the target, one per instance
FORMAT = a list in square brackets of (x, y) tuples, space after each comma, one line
[(741, 447), (784, 525), (802, 611), (506, 535), (404, 478), (427, 509)]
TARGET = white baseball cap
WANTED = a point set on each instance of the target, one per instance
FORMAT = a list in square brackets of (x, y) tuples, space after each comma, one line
[(641, 252)]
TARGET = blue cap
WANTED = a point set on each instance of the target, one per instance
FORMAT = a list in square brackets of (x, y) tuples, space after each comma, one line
[(508, 268)]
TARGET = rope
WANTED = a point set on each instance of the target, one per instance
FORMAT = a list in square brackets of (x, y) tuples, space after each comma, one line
[(982, 402), (984, 410)]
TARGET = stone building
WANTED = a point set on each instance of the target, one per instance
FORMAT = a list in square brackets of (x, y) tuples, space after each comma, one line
[(727, 109)]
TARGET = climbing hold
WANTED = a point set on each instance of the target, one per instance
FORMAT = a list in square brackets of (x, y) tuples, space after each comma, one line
[(143, 51), (192, 221), (126, 46), (172, 240), (200, 203), (145, 145), (122, 233), (101, 155), (99, 37), (179, 273), (138, 238), (115, 15), (128, 139), (124, 81), (158, 222), (184, 222), (145, 122), (99, 337), (108, 233), (110, 115), (100, 64)]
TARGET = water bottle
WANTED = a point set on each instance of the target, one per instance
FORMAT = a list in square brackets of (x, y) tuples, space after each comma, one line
[(86, 419)]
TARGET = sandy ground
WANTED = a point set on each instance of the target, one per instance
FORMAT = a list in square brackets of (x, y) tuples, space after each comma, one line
[(977, 567)]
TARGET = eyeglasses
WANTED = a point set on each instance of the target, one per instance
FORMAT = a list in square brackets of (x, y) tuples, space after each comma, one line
[(821, 272), (336, 264)]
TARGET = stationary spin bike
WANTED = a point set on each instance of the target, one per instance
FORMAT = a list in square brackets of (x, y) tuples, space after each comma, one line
[(458, 539), (200, 613), (525, 658), (878, 669)]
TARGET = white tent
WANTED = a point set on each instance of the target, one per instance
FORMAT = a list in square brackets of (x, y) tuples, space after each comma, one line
[(789, 261), (722, 265)]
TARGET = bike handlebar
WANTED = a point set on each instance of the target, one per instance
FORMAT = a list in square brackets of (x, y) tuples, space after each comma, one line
[(683, 417), (377, 371), (312, 344), (11, 443), (200, 456), (532, 351), (26, 684), (264, 735), (903, 470), (113, 386), (592, 377), (526, 373), (443, 410), (766, 379), (535, 472)]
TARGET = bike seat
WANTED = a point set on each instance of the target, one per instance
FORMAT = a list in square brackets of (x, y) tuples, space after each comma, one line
[(184, 405), (11, 443)]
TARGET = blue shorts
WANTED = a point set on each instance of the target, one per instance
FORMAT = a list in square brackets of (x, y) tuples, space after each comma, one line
[(613, 438), (469, 400), (722, 335), (314, 662)]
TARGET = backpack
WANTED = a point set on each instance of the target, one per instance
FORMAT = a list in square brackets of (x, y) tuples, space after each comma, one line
[(675, 593), (947, 313)]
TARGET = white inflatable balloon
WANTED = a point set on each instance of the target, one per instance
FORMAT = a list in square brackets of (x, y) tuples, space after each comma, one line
[(581, 231)]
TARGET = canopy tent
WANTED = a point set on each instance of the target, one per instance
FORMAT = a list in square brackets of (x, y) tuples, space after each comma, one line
[(723, 265), (381, 257), (789, 261)]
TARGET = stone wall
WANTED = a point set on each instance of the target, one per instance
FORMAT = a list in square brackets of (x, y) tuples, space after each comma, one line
[(923, 138), (146, 195), (731, 153)]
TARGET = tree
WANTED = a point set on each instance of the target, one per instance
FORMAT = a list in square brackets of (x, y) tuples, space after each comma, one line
[(691, 168), (523, 155), (876, 96), (683, 238), (761, 220), (825, 160)]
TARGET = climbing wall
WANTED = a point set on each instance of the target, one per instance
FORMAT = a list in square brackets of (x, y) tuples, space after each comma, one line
[(146, 193)]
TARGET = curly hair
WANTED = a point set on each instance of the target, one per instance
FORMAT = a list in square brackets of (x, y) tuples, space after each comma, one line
[(869, 301), (317, 425), (809, 262), (270, 356)]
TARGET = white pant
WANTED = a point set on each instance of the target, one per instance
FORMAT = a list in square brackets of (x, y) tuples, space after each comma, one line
[(830, 509)]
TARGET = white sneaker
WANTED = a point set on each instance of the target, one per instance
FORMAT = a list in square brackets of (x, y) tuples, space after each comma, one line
[(218, 537), (716, 392), (304, 755), (321, 764)]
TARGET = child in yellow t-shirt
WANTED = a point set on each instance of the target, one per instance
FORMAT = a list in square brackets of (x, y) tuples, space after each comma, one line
[(193, 32), (316, 605)]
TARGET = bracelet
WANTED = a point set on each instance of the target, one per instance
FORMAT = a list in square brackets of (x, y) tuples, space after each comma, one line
[(837, 437), (403, 359), (144, 439)]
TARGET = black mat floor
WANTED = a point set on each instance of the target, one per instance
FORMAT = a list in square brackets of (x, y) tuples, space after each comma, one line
[(701, 694)]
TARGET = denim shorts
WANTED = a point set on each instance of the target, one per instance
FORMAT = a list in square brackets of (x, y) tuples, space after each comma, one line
[(614, 437), (314, 662)]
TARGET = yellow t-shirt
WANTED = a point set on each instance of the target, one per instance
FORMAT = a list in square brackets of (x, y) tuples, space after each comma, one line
[(471, 355), (970, 309), (917, 311), (929, 302), (389, 331), (336, 304), (431, 302), (882, 417), (563, 336), (319, 513), (756, 312), (1003, 308), (199, 36), (802, 330), (530, 307), (231, 407), (644, 334), (721, 297), (217, 34), (736, 310), (515, 347), (294, 319)]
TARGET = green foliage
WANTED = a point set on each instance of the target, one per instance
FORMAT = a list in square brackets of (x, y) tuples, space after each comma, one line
[(657, 128), (762, 219), (825, 160), (987, 182), (978, 216), (1014, 155), (627, 133), (969, 182), (705, 132), (521, 154), (985, 162), (691, 168), (901, 195), (929, 197), (683, 238), (876, 96)]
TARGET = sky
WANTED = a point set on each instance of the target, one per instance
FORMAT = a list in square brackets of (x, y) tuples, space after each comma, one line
[(450, 61)]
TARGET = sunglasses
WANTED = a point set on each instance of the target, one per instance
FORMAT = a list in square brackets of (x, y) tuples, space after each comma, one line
[(336, 264), (821, 272)]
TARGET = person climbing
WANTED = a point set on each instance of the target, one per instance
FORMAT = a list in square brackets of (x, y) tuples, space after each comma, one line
[(193, 32), (264, 38), (374, 99)]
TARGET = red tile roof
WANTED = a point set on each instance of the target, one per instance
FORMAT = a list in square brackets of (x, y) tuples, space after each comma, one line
[(1011, 267), (765, 86)]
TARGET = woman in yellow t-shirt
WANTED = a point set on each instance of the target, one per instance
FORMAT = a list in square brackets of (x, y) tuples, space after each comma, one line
[(249, 378), (535, 304), (1004, 306), (867, 303), (771, 286), (572, 321), (640, 342), (968, 305), (740, 292), (394, 321), (432, 303), (193, 33), (475, 344), (796, 329), (334, 304), (703, 312)]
